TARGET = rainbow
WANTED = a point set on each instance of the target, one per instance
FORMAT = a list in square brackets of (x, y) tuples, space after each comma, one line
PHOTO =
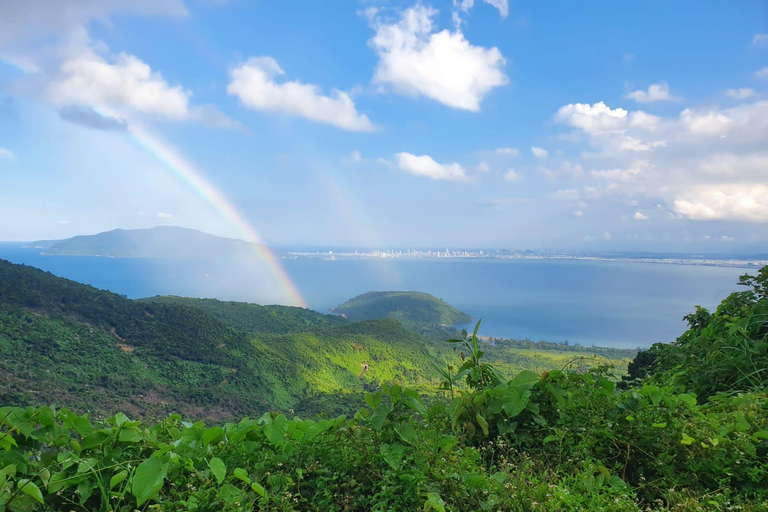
[(196, 180)]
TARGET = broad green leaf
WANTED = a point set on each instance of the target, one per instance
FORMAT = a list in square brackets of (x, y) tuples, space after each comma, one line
[(242, 474), (549, 439), (148, 479), (218, 469), (617, 483), (380, 415), (117, 478), (258, 489), (659, 425), (761, 434), (93, 440), (212, 434), (276, 430), (129, 435), (686, 439), (687, 399), (373, 399), (392, 454), (607, 385), (434, 501), (407, 433), (30, 489)]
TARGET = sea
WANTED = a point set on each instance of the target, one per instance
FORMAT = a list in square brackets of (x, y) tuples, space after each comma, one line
[(623, 304)]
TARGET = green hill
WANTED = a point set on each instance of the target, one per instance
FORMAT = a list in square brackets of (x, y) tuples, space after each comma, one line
[(413, 309), (157, 242), (254, 318)]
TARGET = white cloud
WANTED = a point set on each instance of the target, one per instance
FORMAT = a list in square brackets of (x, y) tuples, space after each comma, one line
[(724, 202), (507, 151), (606, 235), (126, 84), (464, 6), (640, 216), (762, 72), (62, 222), (512, 175), (539, 152), (424, 165), (726, 238), (255, 85), (7, 154), (759, 39), (483, 167), (355, 157), (704, 164), (444, 66), (655, 92), (163, 215), (578, 214)]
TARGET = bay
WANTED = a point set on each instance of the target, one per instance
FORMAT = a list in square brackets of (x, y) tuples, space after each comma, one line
[(602, 303)]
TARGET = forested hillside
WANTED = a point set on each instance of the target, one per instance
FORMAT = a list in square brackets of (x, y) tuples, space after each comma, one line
[(688, 433), (67, 344), (413, 309)]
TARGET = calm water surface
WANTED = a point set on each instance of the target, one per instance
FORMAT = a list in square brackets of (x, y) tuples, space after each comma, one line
[(587, 302)]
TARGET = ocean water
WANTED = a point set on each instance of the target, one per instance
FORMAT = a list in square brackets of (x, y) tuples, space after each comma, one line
[(617, 304)]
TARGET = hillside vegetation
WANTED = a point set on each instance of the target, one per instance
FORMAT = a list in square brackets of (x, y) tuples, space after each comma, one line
[(680, 437), (73, 345), (413, 309)]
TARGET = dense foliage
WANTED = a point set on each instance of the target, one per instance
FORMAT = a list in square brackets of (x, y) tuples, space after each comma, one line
[(555, 440), (72, 345), (412, 309)]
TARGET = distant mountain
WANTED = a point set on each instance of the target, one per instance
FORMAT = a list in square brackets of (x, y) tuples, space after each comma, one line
[(412, 309), (157, 242)]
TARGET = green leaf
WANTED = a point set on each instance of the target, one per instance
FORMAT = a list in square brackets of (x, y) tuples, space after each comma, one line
[(117, 478), (93, 440), (258, 489), (687, 399), (30, 489), (407, 433), (482, 422), (129, 436), (607, 386), (392, 454), (686, 440), (276, 429), (617, 483), (761, 434), (379, 416), (434, 501), (659, 425), (218, 468), (373, 399), (242, 474), (549, 439), (212, 434), (148, 479)]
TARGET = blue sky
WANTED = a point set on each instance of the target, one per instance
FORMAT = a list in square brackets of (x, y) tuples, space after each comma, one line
[(559, 125)]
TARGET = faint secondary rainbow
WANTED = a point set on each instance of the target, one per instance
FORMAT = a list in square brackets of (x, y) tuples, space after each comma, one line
[(187, 171)]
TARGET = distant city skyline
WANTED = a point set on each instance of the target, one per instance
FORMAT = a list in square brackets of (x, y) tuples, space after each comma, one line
[(600, 126)]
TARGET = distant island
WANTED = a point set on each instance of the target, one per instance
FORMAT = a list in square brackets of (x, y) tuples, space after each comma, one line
[(157, 242), (412, 309)]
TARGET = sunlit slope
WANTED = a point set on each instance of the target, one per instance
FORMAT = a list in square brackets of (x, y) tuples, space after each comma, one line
[(413, 309), (71, 344)]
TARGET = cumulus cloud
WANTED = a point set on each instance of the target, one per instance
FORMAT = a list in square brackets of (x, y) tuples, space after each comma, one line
[(507, 151), (703, 164), (539, 152), (762, 73), (7, 154), (655, 92), (414, 59), (732, 201), (255, 84), (102, 91), (512, 175), (425, 165), (740, 94), (640, 216), (464, 6)]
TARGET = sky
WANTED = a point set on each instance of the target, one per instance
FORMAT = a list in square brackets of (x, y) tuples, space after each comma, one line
[(595, 126)]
